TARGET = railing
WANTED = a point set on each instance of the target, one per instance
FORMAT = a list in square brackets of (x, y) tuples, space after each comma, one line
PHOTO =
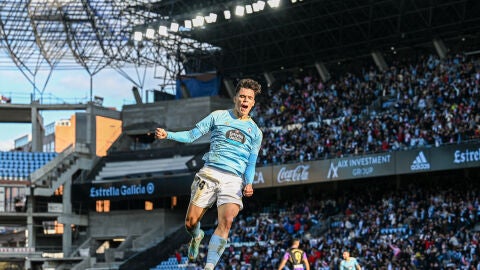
[(52, 165), (56, 167), (46, 98)]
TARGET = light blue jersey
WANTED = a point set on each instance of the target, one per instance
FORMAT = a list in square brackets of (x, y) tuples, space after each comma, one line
[(351, 264), (234, 143)]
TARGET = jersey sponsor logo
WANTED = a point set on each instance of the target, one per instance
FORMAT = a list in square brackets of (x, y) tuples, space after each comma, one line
[(420, 163), (235, 135)]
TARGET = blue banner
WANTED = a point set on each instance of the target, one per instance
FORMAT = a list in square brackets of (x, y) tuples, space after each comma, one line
[(198, 86)]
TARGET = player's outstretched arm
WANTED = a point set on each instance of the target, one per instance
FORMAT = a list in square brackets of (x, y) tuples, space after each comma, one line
[(181, 136)]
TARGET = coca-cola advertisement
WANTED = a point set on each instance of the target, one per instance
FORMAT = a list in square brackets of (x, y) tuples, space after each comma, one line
[(296, 174)]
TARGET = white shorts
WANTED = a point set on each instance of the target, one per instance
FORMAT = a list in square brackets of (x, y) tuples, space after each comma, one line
[(211, 184)]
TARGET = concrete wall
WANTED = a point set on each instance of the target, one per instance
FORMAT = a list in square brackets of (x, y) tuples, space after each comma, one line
[(127, 223), (107, 131), (173, 114)]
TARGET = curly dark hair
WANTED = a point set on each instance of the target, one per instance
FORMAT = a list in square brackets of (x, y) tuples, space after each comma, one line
[(249, 84)]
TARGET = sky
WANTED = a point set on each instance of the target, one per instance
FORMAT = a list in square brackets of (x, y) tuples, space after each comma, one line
[(68, 86)]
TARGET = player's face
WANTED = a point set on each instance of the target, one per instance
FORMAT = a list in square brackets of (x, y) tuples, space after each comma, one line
[(244, 101)]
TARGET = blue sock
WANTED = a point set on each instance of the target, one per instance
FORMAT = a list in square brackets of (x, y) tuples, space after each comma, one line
[(195, 231), (215, 249)]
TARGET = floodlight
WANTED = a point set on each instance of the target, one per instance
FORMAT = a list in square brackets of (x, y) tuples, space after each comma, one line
[(198, 21), (293, 1), (239, 10), (208, 19), (174, 27), (201, 20), (188, 24), (261, 5), (273, 3), (213, 17), (137, 36), (255, 7), (162, 30), (249, 9), (227, 14), (150, 33)]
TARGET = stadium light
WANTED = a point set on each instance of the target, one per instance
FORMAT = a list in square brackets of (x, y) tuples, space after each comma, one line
[(255, 7), (137, 36), (239, 10), (261, 5), (227, 14), (211, 18), (274, 3), (174, 27), (293, 1), (150, 33), (163, 31), (198, 21)]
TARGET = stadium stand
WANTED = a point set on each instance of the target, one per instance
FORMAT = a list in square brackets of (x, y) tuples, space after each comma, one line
[(426, 103), (125, 211), (391, 233), (19, 165), (427, 225), (395, 234)]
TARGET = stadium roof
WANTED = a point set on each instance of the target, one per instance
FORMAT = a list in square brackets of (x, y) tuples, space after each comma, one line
[(92, 35)]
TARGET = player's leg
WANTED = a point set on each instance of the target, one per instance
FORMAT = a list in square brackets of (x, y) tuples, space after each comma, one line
[(202, 197), (192, 225), (226, 214), (229, 204)]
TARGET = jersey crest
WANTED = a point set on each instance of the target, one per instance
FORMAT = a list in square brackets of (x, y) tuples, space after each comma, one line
[(296, 256)]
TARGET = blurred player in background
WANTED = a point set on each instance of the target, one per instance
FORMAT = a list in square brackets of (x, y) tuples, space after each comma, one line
[(296, 257), (349, 263)]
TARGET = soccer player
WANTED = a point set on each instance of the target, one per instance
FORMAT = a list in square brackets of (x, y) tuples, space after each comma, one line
[(229, 168), (349, 263), (295, 256)]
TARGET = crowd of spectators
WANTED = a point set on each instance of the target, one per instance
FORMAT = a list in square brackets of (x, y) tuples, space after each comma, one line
[(424, 103), (427, 103), (407, 228)]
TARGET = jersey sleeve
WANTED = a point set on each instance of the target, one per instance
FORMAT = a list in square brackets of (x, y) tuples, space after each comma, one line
[(206, 124), (184, 136), (252, 159), (304, 256), (250, 170)]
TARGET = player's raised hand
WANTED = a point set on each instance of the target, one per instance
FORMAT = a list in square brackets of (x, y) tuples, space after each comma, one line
[(160, 133)]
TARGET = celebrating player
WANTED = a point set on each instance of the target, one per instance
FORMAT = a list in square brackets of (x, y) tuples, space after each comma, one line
[(229, 168)]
